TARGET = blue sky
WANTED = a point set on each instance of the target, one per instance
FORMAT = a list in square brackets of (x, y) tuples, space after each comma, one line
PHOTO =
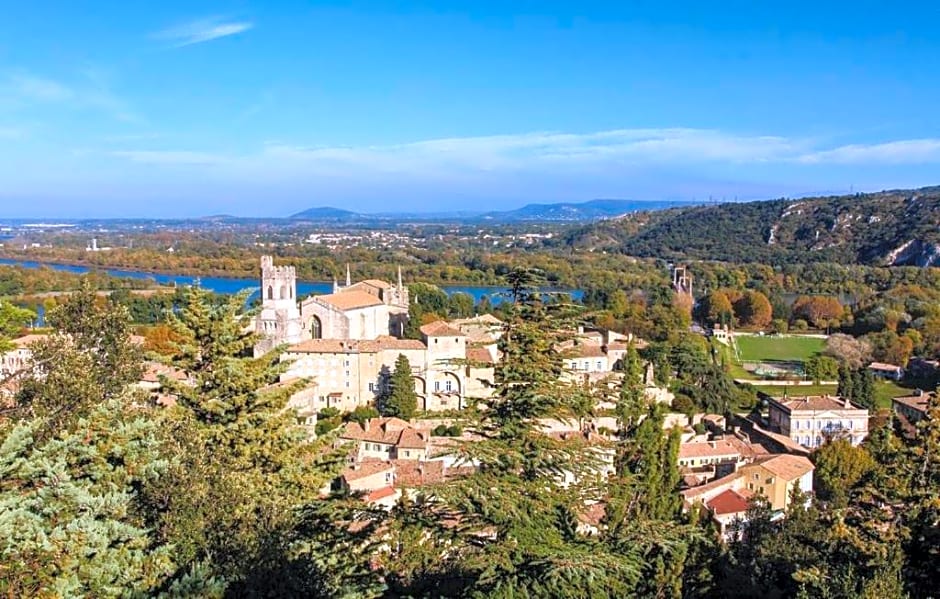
[(184, 108)]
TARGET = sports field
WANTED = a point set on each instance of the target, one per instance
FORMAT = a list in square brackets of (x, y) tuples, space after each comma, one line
[(753, 348)]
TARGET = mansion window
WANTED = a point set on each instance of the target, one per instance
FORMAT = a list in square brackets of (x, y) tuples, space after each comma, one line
[(447, 385)]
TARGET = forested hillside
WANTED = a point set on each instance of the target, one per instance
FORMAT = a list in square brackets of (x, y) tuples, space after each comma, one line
[(886, 228)]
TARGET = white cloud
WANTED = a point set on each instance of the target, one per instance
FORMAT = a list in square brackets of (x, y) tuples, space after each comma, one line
[(203, 30), (908, 151), (36, 88), (549, 152), (89, 91), (179, 157)]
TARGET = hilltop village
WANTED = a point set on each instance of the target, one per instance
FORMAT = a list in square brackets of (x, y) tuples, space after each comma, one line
[(342, 349), (401, 413)]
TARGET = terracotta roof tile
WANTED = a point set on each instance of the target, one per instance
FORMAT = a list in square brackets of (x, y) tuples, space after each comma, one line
[(695, 492), (414, 473), (366, 469), (388, 343), (352, 299), (387, 431), (915, 402), (720, 447), (27, 340), (154, 370), (814, 403), (786, 466), (728, 502), (480, 355), (324, 346), (373, 283), (379, 494), (593, 514), (439, 328)]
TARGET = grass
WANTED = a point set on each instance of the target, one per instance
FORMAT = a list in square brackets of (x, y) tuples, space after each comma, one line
[(753, 348), (884, 391), (796, 391)]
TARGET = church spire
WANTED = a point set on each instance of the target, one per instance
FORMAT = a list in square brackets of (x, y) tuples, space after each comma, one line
[(348, 276)]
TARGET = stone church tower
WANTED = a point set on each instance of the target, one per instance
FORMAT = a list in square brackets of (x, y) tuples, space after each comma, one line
[(279, 321)]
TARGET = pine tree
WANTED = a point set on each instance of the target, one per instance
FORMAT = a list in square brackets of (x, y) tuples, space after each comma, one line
[(509, 529), (401, 400), (88, 359), (67, 507), (243, 468), (73, 463)]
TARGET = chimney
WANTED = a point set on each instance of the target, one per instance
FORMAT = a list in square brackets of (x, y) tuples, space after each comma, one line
[(848, 404), (366, 424)]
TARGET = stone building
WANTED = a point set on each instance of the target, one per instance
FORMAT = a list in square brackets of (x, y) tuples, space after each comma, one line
[(362, 311), (811, 421), (446, 370), (279, 321)]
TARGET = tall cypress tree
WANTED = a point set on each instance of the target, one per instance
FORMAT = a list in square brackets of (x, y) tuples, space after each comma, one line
[(400, 400)]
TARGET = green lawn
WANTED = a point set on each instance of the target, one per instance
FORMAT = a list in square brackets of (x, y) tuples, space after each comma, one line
[(884, 391), (796, 391), (753, 348)]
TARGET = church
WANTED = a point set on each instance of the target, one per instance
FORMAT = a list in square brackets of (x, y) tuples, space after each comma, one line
[(366, 310)]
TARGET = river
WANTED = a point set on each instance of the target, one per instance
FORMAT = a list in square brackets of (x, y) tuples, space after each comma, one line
[(234, 285)]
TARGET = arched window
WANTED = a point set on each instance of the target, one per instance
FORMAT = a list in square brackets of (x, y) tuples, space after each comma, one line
[(270, 292), (283, 292), (316, 328)]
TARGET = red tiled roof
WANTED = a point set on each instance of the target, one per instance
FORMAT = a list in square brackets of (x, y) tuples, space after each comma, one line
[(439, 328), (786, 466), (27, 340), (593, 514), (380, 494), (728, 502), (720, 447), (366, 469), (154, 370), (351, 299), (373, 283), (691, 494), (387, 342), (814, 403), (581, 350), (480, 355), (388, 431), (323, 346), (414, 473), (915, 402)]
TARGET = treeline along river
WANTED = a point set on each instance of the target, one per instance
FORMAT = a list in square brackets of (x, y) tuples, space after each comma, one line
[(234, 285)]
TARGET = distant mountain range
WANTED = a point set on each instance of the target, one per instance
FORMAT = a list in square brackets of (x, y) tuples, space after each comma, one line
[(560, 212), (892, 228)]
